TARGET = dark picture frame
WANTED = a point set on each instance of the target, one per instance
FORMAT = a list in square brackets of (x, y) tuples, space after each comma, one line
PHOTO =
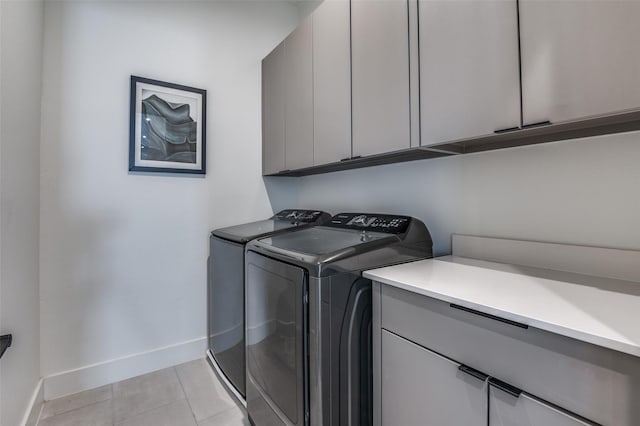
[(167, 127)]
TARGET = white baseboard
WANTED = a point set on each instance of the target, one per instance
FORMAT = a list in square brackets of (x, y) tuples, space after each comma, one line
[(103, 373), (32, 414)]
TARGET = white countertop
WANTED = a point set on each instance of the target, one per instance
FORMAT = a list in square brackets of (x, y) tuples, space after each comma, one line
[(601, 311)]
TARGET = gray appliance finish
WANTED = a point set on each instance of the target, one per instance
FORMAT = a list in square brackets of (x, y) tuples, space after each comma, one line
[(225, 288), (309, 357)]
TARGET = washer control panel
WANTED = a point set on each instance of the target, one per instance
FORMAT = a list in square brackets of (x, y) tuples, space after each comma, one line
[(371, 222), (300, 216)]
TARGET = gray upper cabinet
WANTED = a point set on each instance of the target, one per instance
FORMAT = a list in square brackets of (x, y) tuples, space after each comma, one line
[(380, 76), (469, 76), (580, 58), (362, 78), (507, 410), (299, 97), (273, 143), (420, 387), (331, 82)]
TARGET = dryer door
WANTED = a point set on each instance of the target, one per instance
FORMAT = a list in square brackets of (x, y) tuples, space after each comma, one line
[(276, 342)]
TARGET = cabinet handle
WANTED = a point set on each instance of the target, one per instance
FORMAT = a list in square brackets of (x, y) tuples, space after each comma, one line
[(346, 159), (473, 372), (508, 129), (284, 171), (493, 317), (505, 387), (538, 124)]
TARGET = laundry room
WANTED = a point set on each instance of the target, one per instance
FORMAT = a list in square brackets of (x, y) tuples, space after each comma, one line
[(249, 212)]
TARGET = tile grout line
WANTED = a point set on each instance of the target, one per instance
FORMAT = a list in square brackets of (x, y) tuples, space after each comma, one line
[(114, 421), (148, 411), (218, 414), (71, 411), (185, 395), (113, 417), (40, 413), (113, 404), (235, 404), (42, 408)]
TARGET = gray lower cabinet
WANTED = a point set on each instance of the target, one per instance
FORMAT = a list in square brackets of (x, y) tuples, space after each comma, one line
[(420, 343), (420, 388), (469, 70), (507, 410), (273, 80), (580, 58), (298, 103), (380, 76), (331, 82)]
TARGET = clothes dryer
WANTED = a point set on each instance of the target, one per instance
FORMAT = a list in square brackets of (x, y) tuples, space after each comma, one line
[(309, 358)]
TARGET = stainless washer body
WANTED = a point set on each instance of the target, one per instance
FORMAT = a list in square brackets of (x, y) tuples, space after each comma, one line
[(225, 290), (309, 317)]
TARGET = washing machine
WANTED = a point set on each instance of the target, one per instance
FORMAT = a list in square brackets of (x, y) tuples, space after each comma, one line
[(226, 290), (308, 335)]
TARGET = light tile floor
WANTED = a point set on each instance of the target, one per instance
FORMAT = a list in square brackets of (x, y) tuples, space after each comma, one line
[(186, 395)]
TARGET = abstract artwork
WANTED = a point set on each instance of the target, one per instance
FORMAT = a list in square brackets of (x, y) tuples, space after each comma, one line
[(167, 127)]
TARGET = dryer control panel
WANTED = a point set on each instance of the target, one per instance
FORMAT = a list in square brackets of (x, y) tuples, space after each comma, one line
[(371, 222), (300, 216)]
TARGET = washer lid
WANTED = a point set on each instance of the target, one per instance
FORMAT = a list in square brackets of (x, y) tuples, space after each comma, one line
[(322, 240), (281, 221), (249, 231)]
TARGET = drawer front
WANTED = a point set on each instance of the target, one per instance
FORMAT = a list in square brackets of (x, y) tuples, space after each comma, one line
[(420, 387), (506, 410), (597, 383)]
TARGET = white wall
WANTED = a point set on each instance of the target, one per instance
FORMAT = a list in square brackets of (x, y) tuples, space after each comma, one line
[(123, 256), (579, 192), (306, 7), (20, 85)]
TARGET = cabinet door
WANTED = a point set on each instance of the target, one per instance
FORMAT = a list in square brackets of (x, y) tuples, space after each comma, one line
[(580, 58), (299, 97), (331, 82), (380, 76), (273, 111), (469, 76), (420, 387), (507, 410)]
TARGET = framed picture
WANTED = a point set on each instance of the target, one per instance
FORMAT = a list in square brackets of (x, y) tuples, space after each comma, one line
[(167, 127)]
